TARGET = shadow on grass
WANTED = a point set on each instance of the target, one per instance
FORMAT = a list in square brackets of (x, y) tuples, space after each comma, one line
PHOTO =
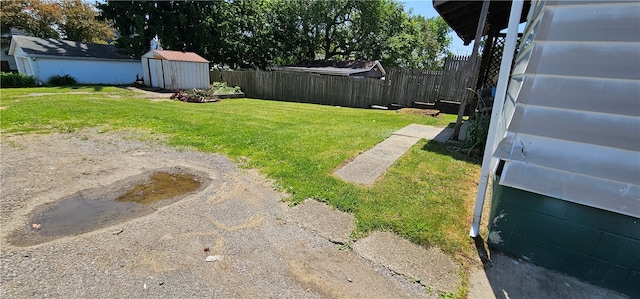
[(451, 149), (95, 87)]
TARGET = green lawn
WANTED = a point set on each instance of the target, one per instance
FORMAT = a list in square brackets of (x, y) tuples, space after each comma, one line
[(426, 196)]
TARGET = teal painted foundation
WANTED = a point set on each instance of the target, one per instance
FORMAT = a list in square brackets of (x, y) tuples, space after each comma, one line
[(591, 244)]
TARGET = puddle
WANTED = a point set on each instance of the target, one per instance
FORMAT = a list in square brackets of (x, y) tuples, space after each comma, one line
[(97, 208), (162, 185)]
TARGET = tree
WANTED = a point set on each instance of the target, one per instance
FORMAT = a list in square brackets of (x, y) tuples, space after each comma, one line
[(70, 19), (35, 17), (422, 44), (368, 30), (259, 33), (79, 23)]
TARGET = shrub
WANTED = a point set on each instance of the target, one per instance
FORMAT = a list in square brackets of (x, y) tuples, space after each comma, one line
[(62, 80), (477, 132), (17, 80), (222, 87)]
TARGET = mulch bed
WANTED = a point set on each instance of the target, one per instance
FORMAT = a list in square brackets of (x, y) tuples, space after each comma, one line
[(425, 112)]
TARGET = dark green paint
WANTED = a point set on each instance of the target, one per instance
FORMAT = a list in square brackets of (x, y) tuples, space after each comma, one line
[(591, 244)]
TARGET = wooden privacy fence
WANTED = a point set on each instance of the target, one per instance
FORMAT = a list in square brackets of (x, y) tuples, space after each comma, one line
[(401, 86)]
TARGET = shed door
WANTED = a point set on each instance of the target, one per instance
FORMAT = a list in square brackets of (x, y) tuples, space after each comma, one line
[(156, 73)]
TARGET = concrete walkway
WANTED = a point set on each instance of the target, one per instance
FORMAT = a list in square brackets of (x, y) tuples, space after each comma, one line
[(370, 165)]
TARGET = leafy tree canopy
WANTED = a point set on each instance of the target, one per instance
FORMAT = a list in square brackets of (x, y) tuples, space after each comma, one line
[(69, 19), (260, 33)]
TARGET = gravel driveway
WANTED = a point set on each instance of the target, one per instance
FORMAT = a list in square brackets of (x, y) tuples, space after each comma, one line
[(255, 246)]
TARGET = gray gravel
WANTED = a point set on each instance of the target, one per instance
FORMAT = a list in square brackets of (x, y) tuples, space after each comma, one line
[(238, 217)]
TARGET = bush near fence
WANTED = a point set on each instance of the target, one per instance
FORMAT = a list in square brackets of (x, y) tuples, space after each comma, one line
[(401, 86)]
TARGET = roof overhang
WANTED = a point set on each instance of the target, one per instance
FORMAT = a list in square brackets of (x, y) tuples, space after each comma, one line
[(463, 16), (76, 58)]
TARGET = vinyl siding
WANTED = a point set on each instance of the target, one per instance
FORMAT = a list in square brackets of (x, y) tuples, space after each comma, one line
[(571, 120)]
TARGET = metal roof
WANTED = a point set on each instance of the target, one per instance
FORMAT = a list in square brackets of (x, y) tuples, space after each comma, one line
[(175, 56), (339, 68), (463, 16), (65, 48)]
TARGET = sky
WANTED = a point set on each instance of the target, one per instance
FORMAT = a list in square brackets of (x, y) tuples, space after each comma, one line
[(425, 8)]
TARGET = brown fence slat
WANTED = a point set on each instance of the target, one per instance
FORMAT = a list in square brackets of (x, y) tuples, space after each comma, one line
[(400, 86)]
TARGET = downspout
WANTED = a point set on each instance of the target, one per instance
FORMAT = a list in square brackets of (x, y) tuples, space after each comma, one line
[(488, 163), (474, 63)]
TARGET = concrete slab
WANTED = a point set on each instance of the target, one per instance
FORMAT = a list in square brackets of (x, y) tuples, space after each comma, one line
[(370, 165), (419, 131), (432, 267), (444, 135), (332, 224), (366, 168), (504, 277)]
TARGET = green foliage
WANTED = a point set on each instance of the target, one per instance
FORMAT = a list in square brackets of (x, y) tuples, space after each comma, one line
[(477, 131), (260, 33), (222, 87), (62, 80), (75, 20), (80, 23), (16, 80)]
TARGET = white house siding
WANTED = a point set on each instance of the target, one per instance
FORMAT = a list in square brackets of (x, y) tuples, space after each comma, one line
[(572, 114), (85, 70), (89, 71), (23, 63)]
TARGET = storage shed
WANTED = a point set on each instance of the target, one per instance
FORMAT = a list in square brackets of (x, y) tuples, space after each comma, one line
[(87, 63), (175, 70)]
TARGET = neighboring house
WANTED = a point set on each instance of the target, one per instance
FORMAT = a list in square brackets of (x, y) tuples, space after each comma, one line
[(175, 70), (8, 62), (87, 63), (566, 189), (350, 68)]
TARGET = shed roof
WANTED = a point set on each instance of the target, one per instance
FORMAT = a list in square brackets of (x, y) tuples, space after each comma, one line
[(463, 16), (175, 56), (66, 48), (333, 67)]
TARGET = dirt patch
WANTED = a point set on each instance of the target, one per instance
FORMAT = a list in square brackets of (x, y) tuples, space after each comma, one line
[(425, 112), (227, 240), (151, 95)]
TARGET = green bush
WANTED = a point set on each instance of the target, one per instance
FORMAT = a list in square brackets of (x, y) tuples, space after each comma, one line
[(62, 80), (477, 132), (17, 80), (222, 87)]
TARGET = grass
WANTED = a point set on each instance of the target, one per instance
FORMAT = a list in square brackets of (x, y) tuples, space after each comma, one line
[(425, 197)]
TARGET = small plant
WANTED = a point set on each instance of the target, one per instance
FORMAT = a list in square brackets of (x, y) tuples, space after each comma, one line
[(16, 80), (346, 246), (477, 131), (62, 80), (222, 87)]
